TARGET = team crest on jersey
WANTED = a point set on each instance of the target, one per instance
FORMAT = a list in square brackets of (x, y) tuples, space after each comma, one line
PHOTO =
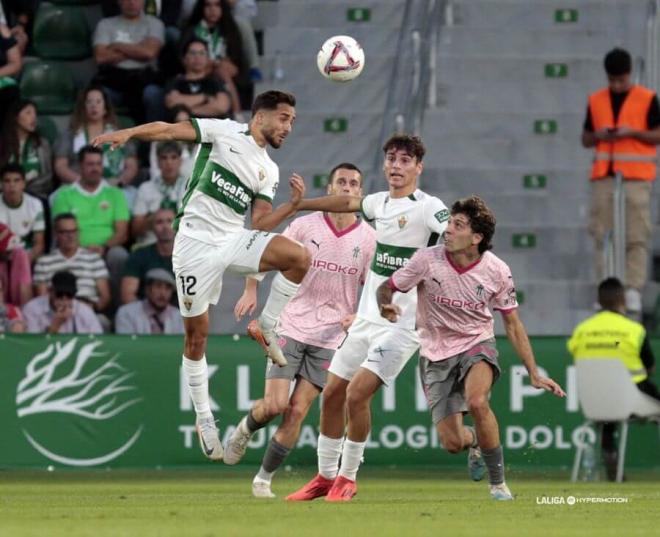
[(104, 205), (403, 220), (262, 174), (480, 291), (187, 302)]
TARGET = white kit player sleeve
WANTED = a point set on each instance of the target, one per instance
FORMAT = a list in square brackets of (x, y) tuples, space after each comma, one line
[(368, 206), (209, 130), (436, 215), (268, 184)]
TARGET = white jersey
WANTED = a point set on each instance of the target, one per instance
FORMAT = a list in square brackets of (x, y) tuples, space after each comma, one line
[(25, 219), (230, 171), (402, 226)]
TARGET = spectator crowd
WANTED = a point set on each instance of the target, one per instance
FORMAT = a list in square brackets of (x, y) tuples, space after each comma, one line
[(86, 233)]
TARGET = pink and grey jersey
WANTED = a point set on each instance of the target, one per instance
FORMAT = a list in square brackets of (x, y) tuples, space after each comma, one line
[(453, 303), (329, 291)]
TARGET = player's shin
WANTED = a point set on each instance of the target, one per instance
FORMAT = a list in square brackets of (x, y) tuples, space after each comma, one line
[(273, 459), (494, 460), (196, 374), (329, 452), (281, 291), (351, 458)]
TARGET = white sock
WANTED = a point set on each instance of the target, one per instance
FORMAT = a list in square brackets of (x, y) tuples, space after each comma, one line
[(329, 451), (196, 372), (281, 291), (351, 458)]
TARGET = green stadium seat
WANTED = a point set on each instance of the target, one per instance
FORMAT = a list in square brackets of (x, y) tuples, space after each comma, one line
[(50, 86), (61, 33), (125, 122), (47, 128)]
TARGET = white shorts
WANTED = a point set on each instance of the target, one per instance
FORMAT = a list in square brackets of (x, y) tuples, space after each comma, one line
[(381, 349), (199, 267)]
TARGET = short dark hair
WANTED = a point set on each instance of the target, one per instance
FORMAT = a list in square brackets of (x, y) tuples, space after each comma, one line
[(482, 220), (64, 216), (618, 62), (268, 100), (89, 149), (169, 146), (12, 167), (186, 45), (611, 294), (344, 166), (64, 282), (405, 142)]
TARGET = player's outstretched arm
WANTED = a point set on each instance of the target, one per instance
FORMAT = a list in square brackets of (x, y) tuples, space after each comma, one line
[(265, 218), (515, 331), (149, 132), (388, 310), (331, 204)]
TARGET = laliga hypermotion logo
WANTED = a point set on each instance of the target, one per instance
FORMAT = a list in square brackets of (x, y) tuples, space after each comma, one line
[(80, 381)]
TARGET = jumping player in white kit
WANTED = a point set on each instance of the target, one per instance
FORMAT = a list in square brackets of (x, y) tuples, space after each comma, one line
[(233, 175), (457, 283), (312, 324), (374, 351)]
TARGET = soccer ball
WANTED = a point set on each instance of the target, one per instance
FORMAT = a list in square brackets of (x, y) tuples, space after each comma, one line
[(341, 58)]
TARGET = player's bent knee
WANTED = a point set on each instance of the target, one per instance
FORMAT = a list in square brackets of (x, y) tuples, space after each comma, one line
[(296, 413), (478, 405)]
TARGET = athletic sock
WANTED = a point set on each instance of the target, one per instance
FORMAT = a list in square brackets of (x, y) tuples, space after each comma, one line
[(329, 452), (253, 425), (351, 458), (472, 430), (196, 373), (494, 460), (281, 291), (273, 458)]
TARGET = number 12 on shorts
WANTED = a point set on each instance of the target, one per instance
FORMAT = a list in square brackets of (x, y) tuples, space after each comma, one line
[(188, 285)]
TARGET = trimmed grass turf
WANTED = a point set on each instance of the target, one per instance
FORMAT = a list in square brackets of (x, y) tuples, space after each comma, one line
[(217, 502)]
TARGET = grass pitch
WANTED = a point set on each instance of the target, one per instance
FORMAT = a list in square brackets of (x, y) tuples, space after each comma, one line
[(218, 502)]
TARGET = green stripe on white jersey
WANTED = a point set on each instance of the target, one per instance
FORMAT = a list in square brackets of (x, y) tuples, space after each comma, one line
[(403, 225), (230, 171)]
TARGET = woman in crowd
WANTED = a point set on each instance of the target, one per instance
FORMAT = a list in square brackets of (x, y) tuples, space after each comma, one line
[(212, 21), (92, 116), (22, 144)]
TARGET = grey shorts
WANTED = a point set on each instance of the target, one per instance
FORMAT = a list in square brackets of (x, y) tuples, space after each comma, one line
[(443, 381), (307, 361)]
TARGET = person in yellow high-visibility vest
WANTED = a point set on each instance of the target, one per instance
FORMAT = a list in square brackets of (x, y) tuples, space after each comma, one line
[(610, 334), (622, 126)]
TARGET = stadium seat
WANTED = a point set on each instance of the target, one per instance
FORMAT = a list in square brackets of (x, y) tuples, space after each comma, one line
[(50, 86), (61, 33), (47, 128), (125, 122), (607, 394)]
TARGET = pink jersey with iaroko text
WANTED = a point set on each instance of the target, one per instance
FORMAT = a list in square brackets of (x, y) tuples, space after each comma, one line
[(453, 303), (329, 291)]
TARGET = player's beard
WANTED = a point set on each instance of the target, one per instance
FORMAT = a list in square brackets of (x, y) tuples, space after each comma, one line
[(269, 136)]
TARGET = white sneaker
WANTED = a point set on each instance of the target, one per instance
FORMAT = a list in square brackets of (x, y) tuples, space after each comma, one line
[(209, 438), (261, 489), (237, 443), (500, 492)]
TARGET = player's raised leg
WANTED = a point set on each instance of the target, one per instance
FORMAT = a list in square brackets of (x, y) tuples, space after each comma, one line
[(331, 437), (292, 259), (285, 437)]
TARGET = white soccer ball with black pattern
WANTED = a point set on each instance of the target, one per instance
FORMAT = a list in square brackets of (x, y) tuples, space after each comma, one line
[(341, 59)]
